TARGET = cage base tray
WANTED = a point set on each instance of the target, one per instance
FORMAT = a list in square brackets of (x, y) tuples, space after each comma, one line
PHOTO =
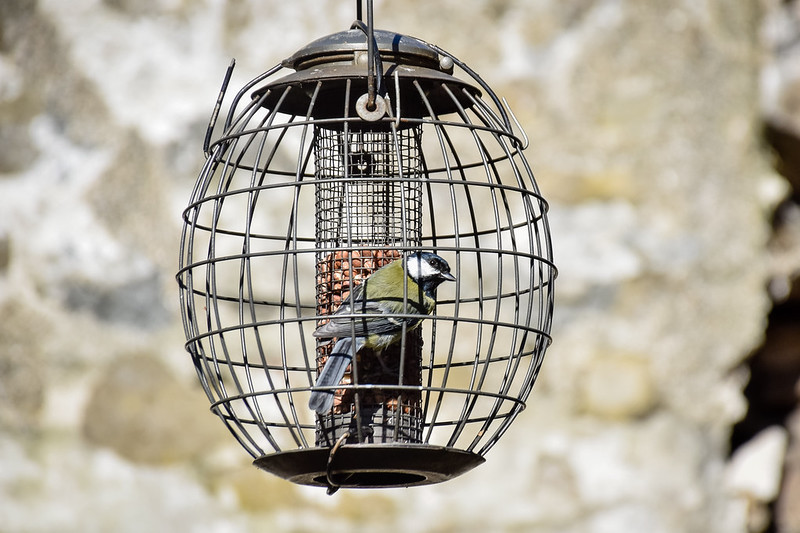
[(371, 465)]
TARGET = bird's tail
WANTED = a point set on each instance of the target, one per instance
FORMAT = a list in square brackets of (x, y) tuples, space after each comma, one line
[(332, 373)]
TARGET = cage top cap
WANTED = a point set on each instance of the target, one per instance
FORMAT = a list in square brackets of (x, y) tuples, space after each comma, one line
[(341, 46), (332, 72)]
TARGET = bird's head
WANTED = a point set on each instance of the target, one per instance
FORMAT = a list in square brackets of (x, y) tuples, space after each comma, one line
[(428, 270)]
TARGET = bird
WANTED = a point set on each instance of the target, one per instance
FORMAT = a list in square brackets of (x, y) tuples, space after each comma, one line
[(380, 298)]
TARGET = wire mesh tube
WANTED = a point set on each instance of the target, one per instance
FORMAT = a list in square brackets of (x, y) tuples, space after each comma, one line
[(369, 206)]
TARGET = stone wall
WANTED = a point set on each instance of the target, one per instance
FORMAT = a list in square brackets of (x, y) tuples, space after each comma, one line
[(645, 121)]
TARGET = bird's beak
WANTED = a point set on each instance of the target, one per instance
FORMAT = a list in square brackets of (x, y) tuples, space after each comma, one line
[(447, 276)]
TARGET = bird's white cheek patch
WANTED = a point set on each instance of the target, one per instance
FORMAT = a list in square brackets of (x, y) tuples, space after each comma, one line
[(427, 270), (418, 269)]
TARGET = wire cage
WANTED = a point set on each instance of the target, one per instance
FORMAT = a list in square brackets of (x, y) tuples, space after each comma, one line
[(361, 148)]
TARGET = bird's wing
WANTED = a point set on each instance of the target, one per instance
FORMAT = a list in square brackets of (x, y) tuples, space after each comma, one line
[(378, 319)]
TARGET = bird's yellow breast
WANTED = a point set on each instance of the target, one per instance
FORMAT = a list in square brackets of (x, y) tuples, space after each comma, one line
[(392, 285)]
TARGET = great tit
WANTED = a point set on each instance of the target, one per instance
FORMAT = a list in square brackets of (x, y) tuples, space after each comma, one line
[(380, 298)]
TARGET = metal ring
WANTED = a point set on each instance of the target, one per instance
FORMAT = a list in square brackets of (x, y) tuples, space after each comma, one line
[(333, 487), (374, 115)]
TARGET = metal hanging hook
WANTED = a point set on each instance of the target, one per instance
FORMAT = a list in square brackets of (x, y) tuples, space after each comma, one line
[(215, 114), (371, 46), (332, 485), (525, 142), (373, 106)]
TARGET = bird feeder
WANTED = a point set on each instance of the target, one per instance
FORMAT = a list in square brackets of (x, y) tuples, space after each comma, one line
[(362, 147)]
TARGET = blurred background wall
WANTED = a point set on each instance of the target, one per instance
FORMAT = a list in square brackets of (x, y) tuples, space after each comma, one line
[(666, 136)]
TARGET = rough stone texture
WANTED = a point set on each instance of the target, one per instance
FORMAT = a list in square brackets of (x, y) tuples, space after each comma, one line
[(21, 367), (142, 413), (644, 120), (787, 510), (755, 473), (780, 77), (618, 386)]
